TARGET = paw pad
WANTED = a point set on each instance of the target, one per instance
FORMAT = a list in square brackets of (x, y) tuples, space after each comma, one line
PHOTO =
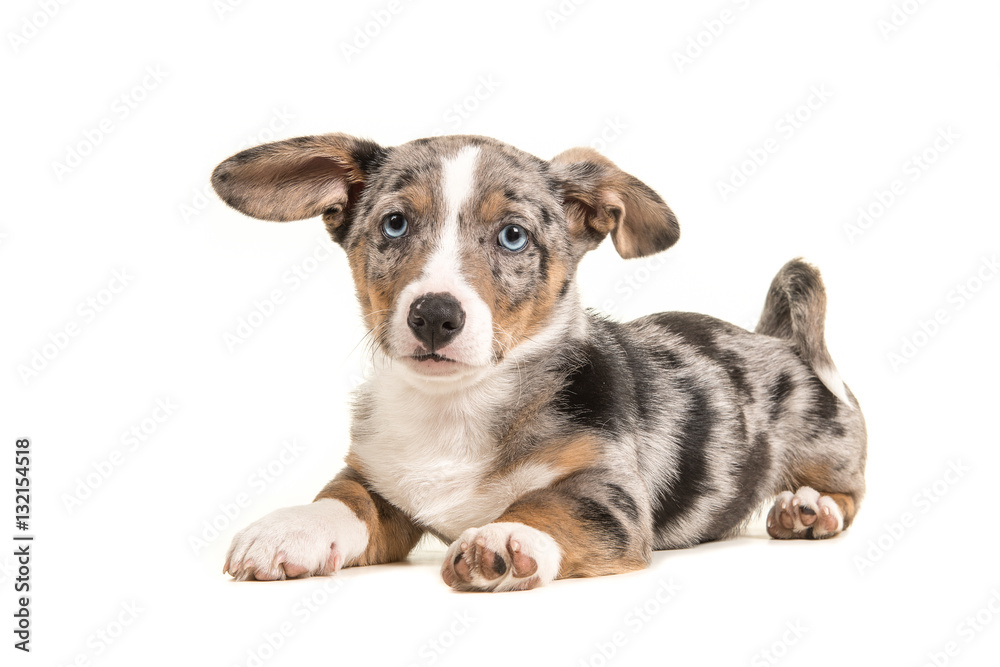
[(806, 514), (501, 557)]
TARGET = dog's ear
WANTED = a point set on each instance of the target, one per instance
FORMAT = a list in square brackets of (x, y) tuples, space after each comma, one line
[(299, 178), (599, 198)]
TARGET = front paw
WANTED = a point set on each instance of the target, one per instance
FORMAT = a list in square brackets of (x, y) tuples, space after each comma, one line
[(297, 542), (501, 557)]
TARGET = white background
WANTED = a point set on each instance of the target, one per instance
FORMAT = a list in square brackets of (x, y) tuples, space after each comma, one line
[(895, 589)]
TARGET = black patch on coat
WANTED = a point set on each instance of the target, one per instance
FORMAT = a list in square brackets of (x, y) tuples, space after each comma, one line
[(608, 381), (671, 504), (750, 473), (602, 524), (778, 393), (701, 333), (824, 404), (369, 156), (511, 195), (621, 499), (543, 261), (339, 233), (589, 397), (383, 244), (546, 217), (641, 375), (823, 410), (665, 359)]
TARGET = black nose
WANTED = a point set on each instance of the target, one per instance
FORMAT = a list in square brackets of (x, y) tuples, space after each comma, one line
[(436, 319)]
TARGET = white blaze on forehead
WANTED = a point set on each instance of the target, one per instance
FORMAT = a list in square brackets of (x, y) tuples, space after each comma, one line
[(458, 176)]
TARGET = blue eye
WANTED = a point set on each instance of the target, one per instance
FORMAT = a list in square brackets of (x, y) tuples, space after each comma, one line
[(394, 226), (513, 238)]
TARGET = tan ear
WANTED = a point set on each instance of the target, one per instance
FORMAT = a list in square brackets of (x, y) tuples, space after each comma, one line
[(298, 178), (599, 198)]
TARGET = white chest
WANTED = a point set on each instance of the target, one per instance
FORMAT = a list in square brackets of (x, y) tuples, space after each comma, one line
[(435, 458)]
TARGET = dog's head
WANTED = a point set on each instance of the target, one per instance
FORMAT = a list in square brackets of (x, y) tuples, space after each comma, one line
[(461, 247)]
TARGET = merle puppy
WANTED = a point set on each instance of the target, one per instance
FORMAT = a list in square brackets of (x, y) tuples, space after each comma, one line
[(538, 439)]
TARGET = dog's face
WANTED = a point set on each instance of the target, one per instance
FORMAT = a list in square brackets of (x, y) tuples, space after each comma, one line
[(461, 247)]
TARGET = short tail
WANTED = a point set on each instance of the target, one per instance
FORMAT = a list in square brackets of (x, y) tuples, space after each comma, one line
[(796, 311)]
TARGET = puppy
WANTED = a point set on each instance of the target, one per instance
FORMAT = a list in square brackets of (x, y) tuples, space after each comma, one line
[(537, 439)]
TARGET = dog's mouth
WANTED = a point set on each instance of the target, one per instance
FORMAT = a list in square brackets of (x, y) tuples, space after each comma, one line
[(432, 357), (435, 365)]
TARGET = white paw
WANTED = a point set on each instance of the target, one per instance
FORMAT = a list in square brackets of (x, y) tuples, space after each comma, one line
[(805, 514), (501, 557), (297, 541)]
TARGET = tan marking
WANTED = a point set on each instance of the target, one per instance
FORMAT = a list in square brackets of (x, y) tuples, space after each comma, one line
[(822, 479), (815, 475), (847, 506), (571, 455), (391, 534), (564, 457), (514, 326), (352, 460), (357, 259), (420, 198), (582, 556), (491, 207)]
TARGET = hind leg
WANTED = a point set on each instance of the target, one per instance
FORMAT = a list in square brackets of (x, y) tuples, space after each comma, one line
[(809, 514)]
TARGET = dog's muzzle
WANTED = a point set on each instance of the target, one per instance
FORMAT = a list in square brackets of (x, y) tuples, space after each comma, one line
[(436, 319)]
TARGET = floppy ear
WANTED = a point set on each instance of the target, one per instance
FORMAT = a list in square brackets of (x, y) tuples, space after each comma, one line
[(299, 178), (599, 198)]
